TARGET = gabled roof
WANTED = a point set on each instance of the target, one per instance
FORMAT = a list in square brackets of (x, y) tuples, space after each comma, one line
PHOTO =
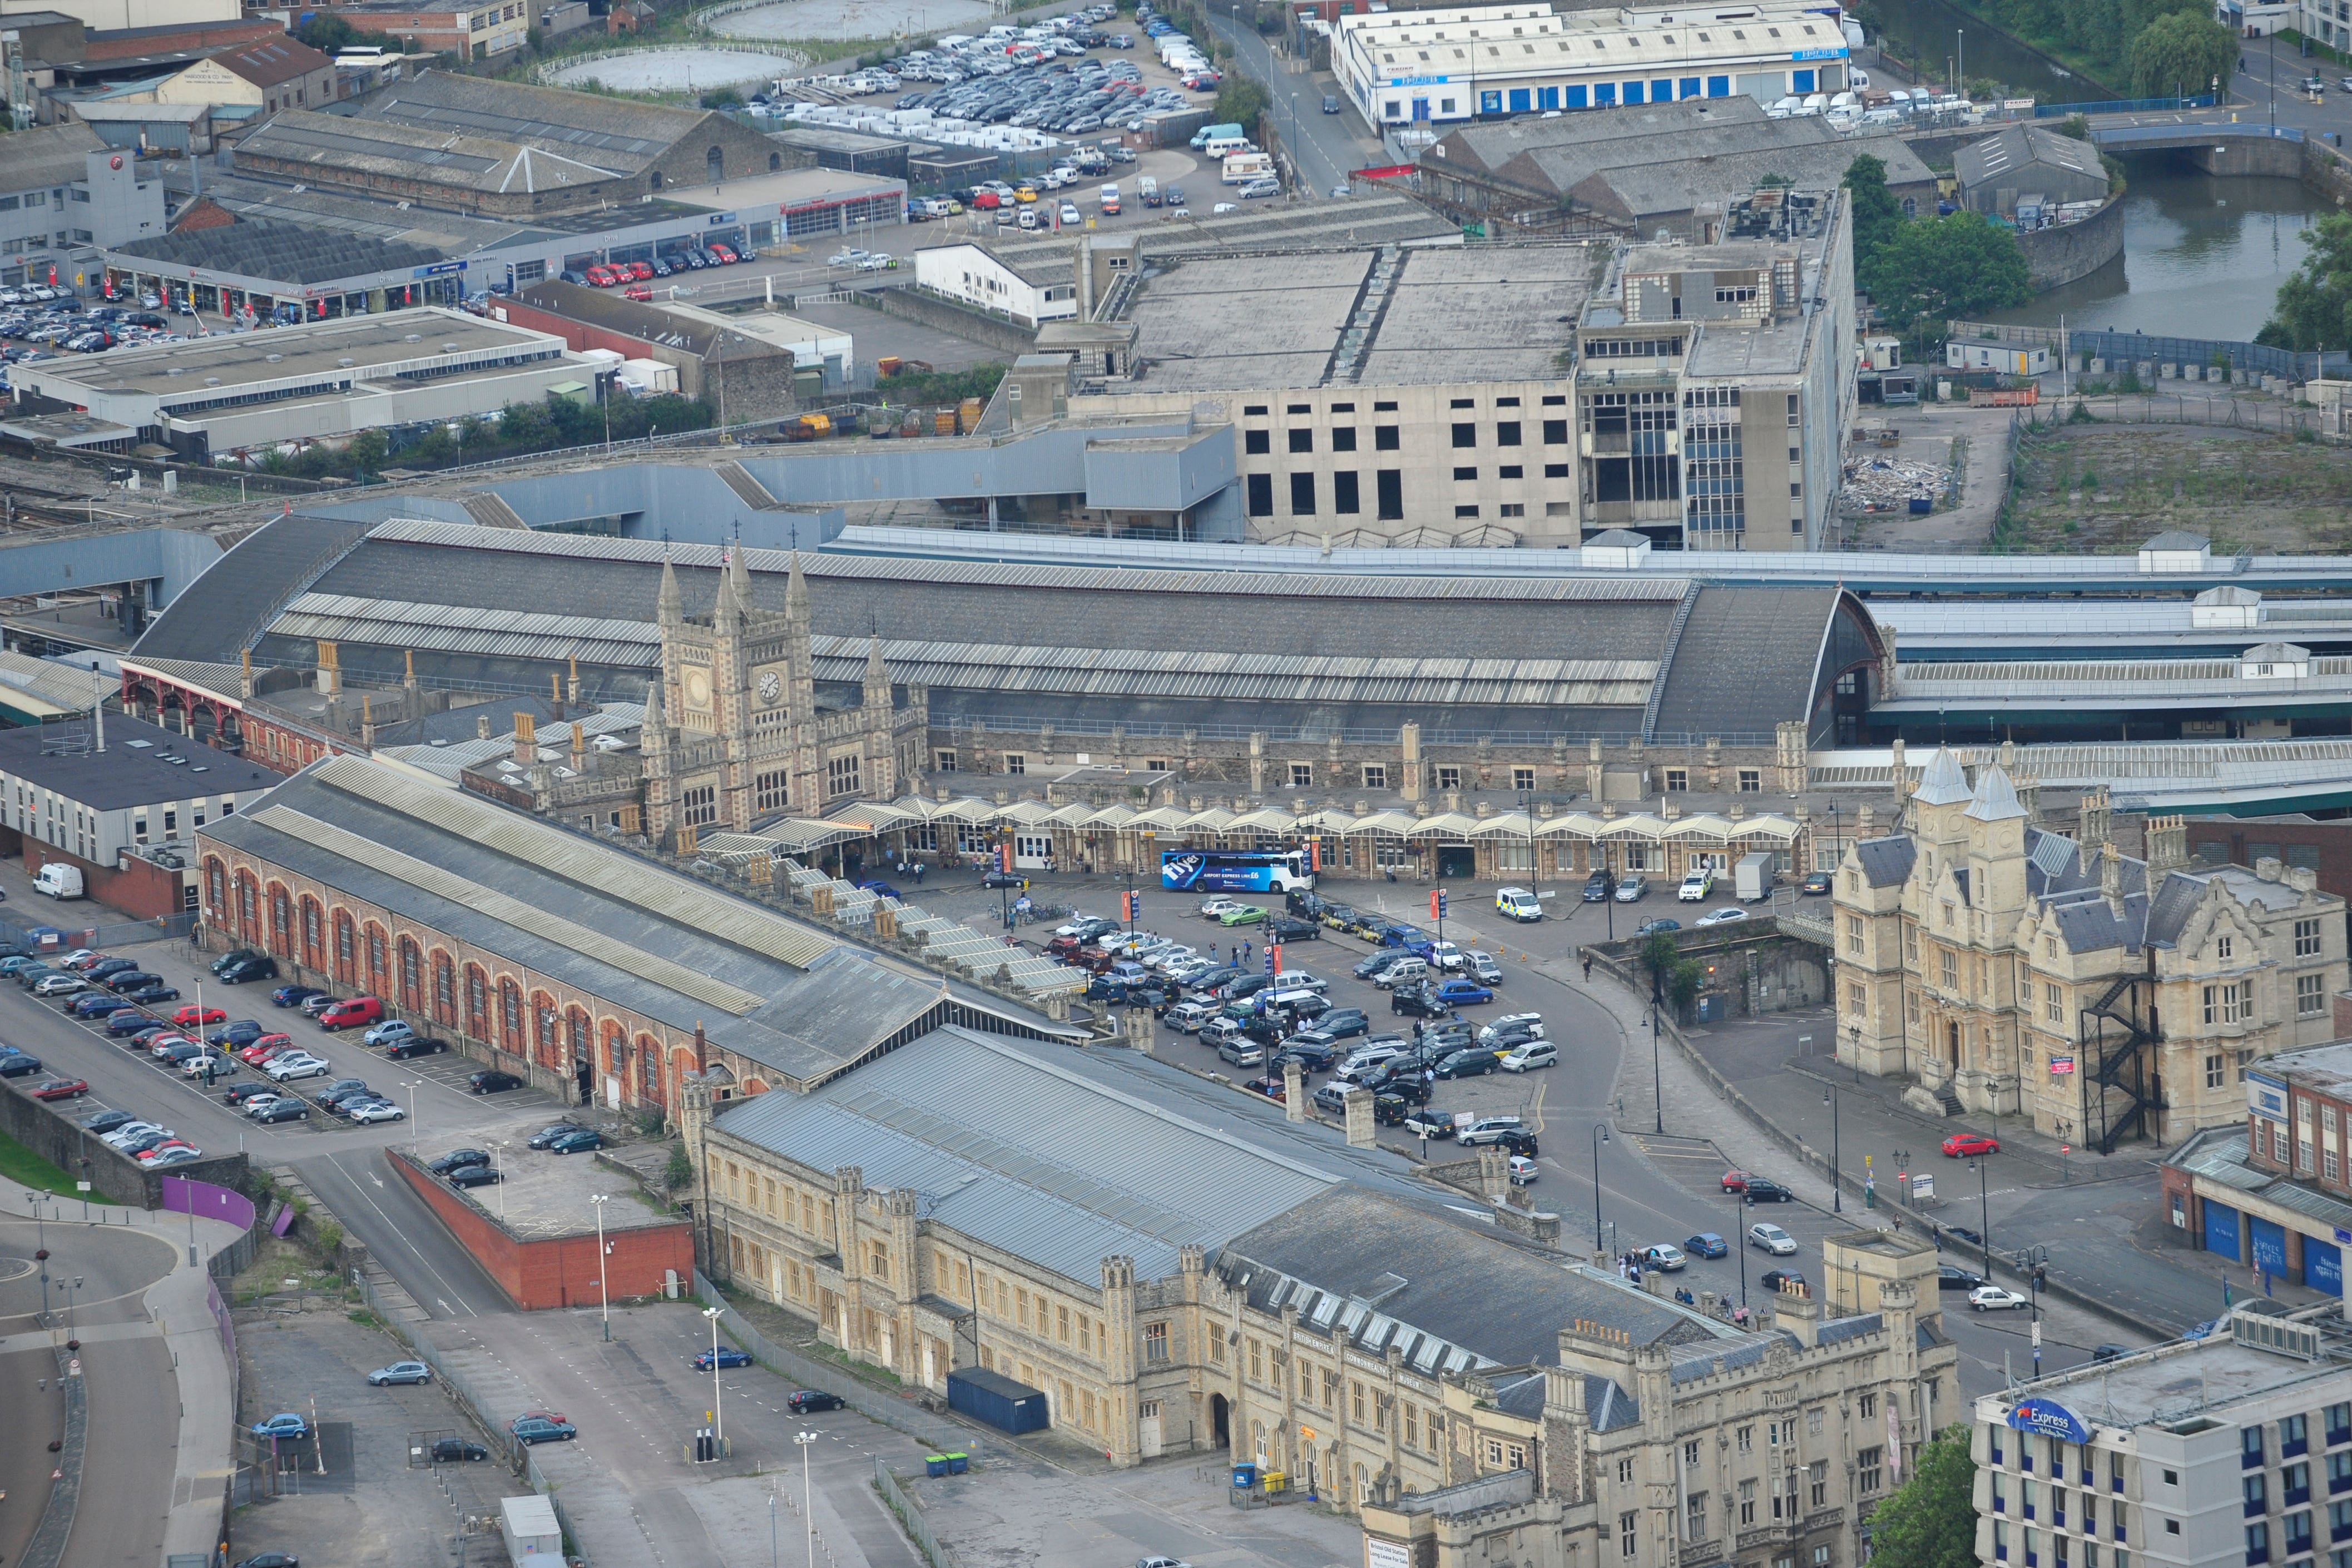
[(275, 60), (1888, 862)]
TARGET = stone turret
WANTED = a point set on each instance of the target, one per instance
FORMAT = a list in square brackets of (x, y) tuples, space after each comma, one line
[(801, 661)]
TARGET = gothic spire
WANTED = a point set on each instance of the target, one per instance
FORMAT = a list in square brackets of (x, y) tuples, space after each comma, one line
[(668, 607), (796, 591)]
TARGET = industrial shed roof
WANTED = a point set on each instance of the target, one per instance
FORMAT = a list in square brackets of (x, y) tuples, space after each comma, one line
[(779, 993)]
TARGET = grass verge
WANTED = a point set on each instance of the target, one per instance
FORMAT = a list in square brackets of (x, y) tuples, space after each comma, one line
[(27, 1169)]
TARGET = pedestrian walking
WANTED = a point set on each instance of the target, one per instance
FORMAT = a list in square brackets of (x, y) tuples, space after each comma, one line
[(919, 874), (1249, 951), (1588, 966)]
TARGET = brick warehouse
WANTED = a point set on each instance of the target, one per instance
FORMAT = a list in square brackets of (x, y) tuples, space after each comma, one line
[(441, 905), (543, 1272)]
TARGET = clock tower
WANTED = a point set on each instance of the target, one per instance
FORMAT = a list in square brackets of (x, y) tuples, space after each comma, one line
[(740, 733)]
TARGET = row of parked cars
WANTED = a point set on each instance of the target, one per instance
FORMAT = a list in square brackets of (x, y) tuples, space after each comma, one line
[(621, 274)]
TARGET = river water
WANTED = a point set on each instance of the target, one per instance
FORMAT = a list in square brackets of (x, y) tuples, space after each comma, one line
[(1944, 39), (2203, 258)]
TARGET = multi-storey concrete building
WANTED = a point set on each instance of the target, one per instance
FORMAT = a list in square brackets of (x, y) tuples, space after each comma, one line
[(2199, 1453), (2015, 970), (2275, 1194), (63, 195)]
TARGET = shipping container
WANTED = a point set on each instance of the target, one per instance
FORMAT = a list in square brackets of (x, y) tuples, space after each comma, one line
[(992, 1397)]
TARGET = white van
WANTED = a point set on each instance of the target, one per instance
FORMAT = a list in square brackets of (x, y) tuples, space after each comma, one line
[(1217, 147), (1519, 904), (59, 879), (1403, 972)]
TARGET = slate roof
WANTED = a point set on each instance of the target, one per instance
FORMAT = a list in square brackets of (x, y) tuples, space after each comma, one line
[(1057, 1155), (1888, 862), (1746, 659), (1386, 1272), (2009, 155), (807, 1019), (1339, 650), (275, 60), (1942, 781)]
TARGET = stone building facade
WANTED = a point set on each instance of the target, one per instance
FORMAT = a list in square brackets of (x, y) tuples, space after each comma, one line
[(734, 731), (2009, 969)]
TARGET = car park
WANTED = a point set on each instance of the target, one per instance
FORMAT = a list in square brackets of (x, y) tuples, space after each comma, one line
[(400, 1372), (1771, 1239), (1996, 1298)]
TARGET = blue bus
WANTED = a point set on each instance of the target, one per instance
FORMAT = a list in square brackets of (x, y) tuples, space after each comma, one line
[(1235, 871)]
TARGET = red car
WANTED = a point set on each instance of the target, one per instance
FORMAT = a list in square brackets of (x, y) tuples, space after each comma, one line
[(1960, 1143), (1735, 1181), (61, 1089), (637, 291), (643, 271), (267, 1046), (725, 253), (192, 1017), (603, 277), (353, 1014)]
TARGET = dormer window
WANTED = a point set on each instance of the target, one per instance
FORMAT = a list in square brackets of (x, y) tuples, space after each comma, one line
[(2224, 947)]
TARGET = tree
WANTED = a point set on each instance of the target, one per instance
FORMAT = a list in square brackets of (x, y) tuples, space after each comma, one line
[(1875, 214), (2183, 53), (1958, 264), (2314, 309), (1240, 101), (1930, 1522)]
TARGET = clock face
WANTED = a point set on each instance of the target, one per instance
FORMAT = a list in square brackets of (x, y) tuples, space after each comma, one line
[(697, 688), (769, 686)]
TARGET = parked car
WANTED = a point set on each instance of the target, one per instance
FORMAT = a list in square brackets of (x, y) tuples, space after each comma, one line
[(1631, 889), (1996, 1298), (1815, 885), (1771, 1239), (490, 1081), (1529, 1056), (19, 1065), (1726, 915), (1963, 1144), (355, 1013), (416, 1046), (155, 991), (724, 1355), (456, 1451), (400, 1372), (392, 1031), (808, 1400), (293, 996), (1707, 1244), (579, 1141), (475, 1176), (286, 1426), (367, 1113), (531, 1430), (457, 1158), (284, 1109), (1697, 885), (1664, 1255), (1462, 993), (1488, 1130), (62, 1089), (260, 967), (1761, 1190), (1951, 1277), (192, 1016), (1773, 1280)]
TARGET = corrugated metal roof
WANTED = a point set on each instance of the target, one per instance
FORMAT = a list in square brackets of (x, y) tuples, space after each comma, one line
[(448, 628), (1051, 1161)]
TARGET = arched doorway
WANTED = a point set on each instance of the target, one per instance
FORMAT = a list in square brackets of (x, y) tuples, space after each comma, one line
[(1220, 1421), (714, 164)]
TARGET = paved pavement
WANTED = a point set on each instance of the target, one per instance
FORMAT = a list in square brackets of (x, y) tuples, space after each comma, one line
[(157, 1378)]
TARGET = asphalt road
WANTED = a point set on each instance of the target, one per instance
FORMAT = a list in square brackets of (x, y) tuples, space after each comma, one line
[(1325, 147)]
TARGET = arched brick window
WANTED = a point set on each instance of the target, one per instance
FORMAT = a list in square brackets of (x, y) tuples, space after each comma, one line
[(444, 990), (412, 975), (578, 1038), (314, 943), (346, 948), (378, 973), (217, 889), (248, 907), (510, 1024), (545, 1044), (617, 1052), (652, 1092), (478, 1003), (282, 921)]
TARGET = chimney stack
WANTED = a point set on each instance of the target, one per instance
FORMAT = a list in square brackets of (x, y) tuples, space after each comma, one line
[(330, 670), (526, 745), (2111, 878)]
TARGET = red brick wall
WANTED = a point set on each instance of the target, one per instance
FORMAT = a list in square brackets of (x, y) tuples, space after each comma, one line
[(123, 43), (560, 1271), (579, 335), (144, 890)]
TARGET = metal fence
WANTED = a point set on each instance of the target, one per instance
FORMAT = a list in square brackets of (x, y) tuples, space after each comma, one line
[(2280, 418), (2122, 106), (918, 1528), (2127, 350), (810, 1373)]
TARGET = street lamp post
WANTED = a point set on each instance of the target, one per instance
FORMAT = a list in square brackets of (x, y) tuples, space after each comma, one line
[(1837, 1163), (808, 1503), (603, 1295), (1599, 1136), (1739, 1244), (717, 1411), (1984, 1212), (1657, 1077), (72, 1341), (413, 1085)]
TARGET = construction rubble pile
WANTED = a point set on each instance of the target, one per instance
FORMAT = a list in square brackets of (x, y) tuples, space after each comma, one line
[(1892, 485)]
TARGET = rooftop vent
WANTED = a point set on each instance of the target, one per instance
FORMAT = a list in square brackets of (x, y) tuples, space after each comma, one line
[(412, 338), (449, 347), (275, 359), (173, 371), (212, 380), (345, 361)]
